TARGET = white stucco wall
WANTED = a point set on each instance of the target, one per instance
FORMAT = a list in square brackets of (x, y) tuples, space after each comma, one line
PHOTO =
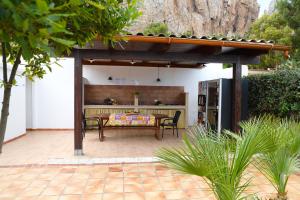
[(53, 98), (16, 124)]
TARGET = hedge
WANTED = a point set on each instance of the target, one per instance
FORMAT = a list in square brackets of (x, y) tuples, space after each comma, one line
[(277, 93)]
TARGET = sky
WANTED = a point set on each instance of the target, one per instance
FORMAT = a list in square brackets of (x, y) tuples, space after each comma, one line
[(264, 4)]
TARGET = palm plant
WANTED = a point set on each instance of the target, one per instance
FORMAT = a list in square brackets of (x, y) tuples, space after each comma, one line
[(278, 165), (221, 160)]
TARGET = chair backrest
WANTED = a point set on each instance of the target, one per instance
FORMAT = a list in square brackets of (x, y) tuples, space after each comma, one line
[(176, 116)]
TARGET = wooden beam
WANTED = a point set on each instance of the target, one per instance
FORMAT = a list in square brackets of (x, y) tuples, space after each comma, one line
[(240, 51), (205, 50), (159, 48), (168, 56), (139, 64), (237, 96), (78, 104)]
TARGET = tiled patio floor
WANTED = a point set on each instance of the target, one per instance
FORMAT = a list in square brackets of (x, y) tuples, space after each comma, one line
[(42, 147), (149, 181), (113, 182)]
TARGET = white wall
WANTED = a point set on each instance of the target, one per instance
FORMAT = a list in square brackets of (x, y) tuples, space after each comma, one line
[(16, 124), (53, 96)]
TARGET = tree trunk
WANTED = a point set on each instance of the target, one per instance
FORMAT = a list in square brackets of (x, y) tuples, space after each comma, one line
[(4, 114), (7, 92)]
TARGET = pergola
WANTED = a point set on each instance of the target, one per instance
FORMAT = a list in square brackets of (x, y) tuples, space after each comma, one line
[(169, 51)]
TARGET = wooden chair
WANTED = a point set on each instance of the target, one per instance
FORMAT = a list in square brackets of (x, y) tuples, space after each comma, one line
[(171, 122)]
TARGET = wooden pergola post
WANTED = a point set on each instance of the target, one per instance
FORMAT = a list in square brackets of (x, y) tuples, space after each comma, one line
[(78, 103), (236, 95)]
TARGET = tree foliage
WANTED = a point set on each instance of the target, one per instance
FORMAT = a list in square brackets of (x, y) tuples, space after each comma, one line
[(271, 27), (33, 31), (41, 29), (290, 10)]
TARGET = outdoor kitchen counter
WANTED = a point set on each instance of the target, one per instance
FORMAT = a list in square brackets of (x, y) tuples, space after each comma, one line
[(146, 109)]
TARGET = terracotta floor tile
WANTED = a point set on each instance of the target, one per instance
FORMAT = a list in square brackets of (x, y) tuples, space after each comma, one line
[(67, 170), (163, 173), (196, 194), (134, 196), (113, 196), (133, 188), (52, 197), (132, 180), (39, 183), (166, 178), (177, 194), (115, 174), (131, 168), (99, 174), (170, 185), (148, 174), (152, 187), (91, 197), (189, 185), (109, 188), (70, 197), (150, 180), (47, 176), (155, 195), (79, 176), (115, 169), (94, 187), (10, 192), (114, 180), (74, 189), (32, 191), (132, 174), (27, 198), (54, 190)]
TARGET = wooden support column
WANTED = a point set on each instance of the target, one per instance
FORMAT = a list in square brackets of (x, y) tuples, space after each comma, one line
[(77, 103), (236, 96)]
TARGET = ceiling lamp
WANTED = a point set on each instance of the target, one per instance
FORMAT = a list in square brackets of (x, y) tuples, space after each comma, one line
[(168, 65), (158, 79)]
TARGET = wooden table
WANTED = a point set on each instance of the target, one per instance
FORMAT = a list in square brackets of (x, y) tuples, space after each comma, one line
[(104, 118)]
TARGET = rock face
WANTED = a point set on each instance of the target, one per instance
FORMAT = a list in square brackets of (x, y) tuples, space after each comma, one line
[(201, 17)]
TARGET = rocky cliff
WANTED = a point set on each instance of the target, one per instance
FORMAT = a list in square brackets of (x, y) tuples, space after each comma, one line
[(201, 17)]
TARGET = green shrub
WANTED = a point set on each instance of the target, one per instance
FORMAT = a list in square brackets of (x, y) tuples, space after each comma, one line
[(277, 93), (156, 29)]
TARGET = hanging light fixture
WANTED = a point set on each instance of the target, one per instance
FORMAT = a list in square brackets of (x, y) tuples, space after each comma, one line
[(158, 79), (168, 65), (132, 62)]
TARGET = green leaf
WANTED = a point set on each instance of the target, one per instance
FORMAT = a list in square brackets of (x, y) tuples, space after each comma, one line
[(42, 6), (96, 5), (68, 43), (25, 25), (8, 3)]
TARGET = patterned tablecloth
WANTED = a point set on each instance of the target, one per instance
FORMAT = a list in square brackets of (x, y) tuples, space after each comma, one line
[(123, 119)]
